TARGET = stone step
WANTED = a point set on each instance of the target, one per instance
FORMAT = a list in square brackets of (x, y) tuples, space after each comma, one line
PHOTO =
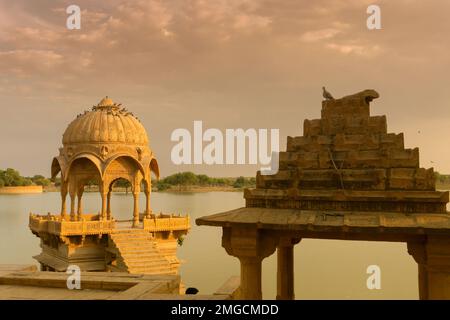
[(137, 244), (137, 248), (140, 257), (138, 253), (149, 264), (152, 271)]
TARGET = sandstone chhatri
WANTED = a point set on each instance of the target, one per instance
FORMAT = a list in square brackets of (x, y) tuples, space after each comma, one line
[(105, 144)]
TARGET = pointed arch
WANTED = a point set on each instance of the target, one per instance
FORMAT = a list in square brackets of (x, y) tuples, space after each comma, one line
[(126, 156), (154, 167), (88, 156), (56, 167)]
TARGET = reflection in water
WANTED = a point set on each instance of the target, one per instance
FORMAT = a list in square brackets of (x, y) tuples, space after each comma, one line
[(324, 269)]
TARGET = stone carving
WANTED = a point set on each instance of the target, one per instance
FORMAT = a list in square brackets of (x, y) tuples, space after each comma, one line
[(104, 151)]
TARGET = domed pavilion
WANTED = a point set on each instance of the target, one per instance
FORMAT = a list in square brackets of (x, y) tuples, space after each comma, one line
[(105, 144), (101, 146)]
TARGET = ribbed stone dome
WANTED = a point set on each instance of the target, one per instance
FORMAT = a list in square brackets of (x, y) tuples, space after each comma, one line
[(106, 123)]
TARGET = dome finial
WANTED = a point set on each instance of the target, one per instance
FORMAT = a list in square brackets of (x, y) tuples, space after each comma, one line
[(105, 102)]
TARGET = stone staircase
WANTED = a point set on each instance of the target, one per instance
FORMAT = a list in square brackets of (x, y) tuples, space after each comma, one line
[(137, 252)]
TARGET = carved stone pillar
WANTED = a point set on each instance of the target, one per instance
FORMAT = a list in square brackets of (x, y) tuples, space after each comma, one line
[(250, 287), (72, 193), (80, 203), (285, 269), (104, 195), (250, 245), (108, 205), (433, 259), (63, 200), (148, 210), (136, 209)]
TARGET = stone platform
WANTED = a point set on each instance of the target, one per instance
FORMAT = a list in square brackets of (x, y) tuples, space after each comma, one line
[(94, 244), (23, 282)]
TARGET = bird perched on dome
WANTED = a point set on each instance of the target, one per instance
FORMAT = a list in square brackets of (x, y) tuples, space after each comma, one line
[(326, 94)]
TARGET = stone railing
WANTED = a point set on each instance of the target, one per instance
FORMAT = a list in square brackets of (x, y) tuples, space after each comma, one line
[(166, 223), (53, 224)]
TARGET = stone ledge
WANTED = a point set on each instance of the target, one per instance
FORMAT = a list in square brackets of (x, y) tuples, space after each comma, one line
[(369, 223)]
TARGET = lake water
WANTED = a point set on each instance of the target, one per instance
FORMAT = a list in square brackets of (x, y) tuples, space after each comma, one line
[(324, 269)]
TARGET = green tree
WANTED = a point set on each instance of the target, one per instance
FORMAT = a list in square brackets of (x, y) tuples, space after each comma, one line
[(40, 180), (161, 185), (123, 183), (203, 179), (13, 178), (57, 181), (239, 183)]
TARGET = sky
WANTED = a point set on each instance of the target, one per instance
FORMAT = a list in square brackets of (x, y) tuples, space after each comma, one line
[(231, 64)]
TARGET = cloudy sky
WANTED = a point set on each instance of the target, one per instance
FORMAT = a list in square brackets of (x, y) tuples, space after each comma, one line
[(229, 63)]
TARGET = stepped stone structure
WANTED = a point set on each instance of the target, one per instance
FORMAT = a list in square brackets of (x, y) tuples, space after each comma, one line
[(347, 161), (345, 178), (104, 145)]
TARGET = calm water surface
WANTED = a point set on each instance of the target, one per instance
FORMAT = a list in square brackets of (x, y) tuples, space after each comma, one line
[(324, 269)]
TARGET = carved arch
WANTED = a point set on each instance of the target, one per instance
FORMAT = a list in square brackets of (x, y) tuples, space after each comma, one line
[(91, 157), (56, 168), (124, 155)]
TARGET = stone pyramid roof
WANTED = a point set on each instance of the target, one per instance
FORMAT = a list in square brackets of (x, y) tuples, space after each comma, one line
[(347, 161)]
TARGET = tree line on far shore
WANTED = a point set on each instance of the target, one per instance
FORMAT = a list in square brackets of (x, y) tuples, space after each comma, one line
[(185, 179), (12, 178), (442, 179)]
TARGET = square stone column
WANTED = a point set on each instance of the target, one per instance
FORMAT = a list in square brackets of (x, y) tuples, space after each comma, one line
[(285, 268), (250, 245), (433, 258)]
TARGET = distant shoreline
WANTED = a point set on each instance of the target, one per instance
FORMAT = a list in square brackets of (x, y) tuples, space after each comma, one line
[(21, 190), (442, 186), (172, 189)]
